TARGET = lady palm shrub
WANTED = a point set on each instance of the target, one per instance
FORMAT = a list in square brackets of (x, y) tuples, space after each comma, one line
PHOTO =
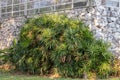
[(116, 67), (55, 41)]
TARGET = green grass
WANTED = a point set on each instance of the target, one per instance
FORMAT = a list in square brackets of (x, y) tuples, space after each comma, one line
[(6, 76), (10, 76)]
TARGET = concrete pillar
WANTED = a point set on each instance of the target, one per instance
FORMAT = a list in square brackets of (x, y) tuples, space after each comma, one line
[(12, 8), (119, 7), (0, 8), (25, 10), (72, 4)]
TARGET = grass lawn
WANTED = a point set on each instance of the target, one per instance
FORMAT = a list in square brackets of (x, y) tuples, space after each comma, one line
[(8, 76)]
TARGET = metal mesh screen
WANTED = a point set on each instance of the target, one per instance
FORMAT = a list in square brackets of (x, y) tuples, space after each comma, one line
[(17, 8)]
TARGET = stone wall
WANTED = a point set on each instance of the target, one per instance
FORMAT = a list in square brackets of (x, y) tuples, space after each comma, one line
[(107, 22), (103, 21), (9, 30)]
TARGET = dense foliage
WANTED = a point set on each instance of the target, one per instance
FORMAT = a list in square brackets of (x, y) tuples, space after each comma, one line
[(55, 41)]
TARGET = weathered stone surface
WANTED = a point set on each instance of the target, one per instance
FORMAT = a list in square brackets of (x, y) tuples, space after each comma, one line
[(9, 31)]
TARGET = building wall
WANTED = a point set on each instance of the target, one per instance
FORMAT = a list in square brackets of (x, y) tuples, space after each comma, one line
[(104, 21)]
